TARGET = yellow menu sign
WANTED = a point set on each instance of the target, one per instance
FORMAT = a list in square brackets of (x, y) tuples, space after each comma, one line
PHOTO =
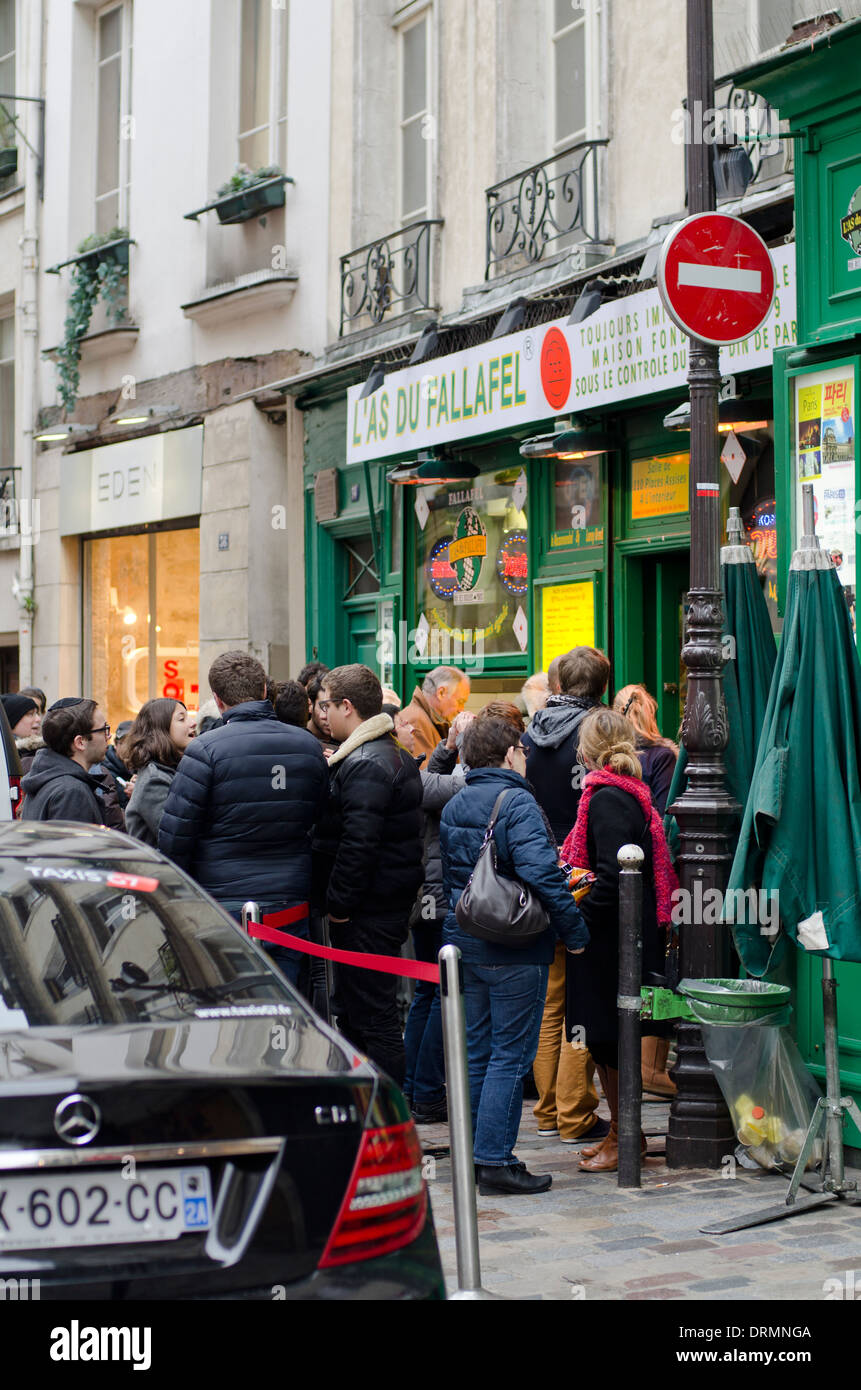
[(567, 618), (659, 485)]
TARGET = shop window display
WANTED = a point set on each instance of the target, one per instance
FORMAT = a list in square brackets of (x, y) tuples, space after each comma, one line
[(142, 620), (473, 578)]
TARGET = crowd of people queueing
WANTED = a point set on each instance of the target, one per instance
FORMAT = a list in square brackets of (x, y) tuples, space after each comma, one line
[(323, 799)]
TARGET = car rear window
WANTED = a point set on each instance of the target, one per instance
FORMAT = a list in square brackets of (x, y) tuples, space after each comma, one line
[(97, 941)]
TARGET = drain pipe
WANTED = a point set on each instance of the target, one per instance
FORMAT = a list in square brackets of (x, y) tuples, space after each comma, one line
[(28, 306)]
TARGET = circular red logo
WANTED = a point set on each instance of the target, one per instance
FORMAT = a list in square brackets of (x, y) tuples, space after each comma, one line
[(555, 368)]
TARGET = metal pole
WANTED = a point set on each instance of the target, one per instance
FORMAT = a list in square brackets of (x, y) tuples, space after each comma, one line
[(250, 913), (808, 513), (460, 1127), (630, 859), (700, 1130), (832, 1076)]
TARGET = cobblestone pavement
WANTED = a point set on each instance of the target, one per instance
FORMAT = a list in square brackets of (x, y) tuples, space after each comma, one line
[(586, 1238)]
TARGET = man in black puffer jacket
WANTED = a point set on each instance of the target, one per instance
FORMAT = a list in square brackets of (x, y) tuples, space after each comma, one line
[(368, 857), (239, 813)]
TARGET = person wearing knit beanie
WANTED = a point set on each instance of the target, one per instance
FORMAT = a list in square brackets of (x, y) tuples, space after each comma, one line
[(23, 715)]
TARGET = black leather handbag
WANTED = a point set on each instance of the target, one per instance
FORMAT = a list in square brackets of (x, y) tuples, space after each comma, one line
[(500, 910)]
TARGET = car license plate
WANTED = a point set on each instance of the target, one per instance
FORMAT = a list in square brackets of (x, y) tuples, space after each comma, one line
[(51, 1210)]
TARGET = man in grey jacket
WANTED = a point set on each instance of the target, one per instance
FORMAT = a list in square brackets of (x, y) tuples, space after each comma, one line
[(59, 785)]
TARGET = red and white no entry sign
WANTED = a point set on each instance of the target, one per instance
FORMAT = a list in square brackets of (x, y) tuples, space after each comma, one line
[(716, 278)]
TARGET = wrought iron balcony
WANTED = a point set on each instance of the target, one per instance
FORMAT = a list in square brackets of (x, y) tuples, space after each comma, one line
[(548, 207), (391, 275)]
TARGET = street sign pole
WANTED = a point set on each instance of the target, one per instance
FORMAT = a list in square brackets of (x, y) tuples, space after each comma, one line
[(700, 1130)]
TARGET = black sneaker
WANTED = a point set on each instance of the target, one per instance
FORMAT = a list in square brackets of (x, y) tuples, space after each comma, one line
[(436, 1114), (599, 1130), (513, 1180)]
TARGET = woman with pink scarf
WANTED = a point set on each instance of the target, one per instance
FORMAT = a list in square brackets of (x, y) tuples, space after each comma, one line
[(615, 809)]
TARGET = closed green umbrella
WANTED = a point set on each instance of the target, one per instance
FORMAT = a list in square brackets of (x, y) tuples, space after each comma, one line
[(750, 656), (801, 831)]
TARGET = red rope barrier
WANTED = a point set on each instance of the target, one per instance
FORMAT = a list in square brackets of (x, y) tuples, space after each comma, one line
[(365, 960)]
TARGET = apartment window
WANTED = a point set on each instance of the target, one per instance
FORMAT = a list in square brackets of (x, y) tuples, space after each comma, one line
[(575, 43), (7, 393), (262, 84), (416, 120), (114, 120), (7, 81)]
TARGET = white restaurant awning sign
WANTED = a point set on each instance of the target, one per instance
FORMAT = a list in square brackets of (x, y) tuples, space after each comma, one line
[(627, 348)]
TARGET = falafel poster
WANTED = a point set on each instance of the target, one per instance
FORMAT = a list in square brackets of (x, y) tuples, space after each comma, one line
[(627, 348)]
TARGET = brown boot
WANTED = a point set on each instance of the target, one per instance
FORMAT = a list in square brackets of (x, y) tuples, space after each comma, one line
[(605, 1159), (654, 1053), (593, 1149)]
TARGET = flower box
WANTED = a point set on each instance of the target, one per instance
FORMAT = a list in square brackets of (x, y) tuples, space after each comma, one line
[(251, 202), (241, 204)]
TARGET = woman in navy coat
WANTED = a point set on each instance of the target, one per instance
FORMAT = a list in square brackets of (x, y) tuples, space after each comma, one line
[(504, 987)]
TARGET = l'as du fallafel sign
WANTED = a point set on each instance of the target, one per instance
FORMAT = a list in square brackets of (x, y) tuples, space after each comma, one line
[(627, 348)]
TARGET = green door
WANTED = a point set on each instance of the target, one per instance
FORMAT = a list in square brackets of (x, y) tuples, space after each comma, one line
[(362, 633), (662, 582), (810, 1030)]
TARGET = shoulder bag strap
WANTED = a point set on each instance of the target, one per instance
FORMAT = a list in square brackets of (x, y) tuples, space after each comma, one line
[(494, 815)]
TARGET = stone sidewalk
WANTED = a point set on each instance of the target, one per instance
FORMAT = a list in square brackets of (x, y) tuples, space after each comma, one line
[(586, 1238)]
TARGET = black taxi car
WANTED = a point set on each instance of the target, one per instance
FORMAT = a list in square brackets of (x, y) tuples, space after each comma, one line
[(175, 1122)]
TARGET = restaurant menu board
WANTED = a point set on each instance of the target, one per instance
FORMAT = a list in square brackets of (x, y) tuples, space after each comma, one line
[(825, 456), (567, 618)]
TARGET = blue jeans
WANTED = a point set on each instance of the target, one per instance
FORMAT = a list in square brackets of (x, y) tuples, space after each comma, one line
[(291, 963), (425, 1076), (504, 1005)]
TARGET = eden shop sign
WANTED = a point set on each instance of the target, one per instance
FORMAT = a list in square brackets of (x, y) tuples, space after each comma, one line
[(135, 483), (629, 347)]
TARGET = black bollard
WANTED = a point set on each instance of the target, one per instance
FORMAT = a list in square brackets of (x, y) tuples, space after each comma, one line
[(630, 858)]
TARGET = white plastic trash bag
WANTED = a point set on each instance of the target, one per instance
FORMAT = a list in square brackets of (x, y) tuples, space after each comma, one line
[(769, 1091)]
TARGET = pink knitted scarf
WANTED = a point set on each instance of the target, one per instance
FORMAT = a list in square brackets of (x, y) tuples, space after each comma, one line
[(575, 849)]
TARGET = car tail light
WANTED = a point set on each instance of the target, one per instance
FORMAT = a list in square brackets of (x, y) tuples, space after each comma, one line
[(386, 1202), (15, 796)]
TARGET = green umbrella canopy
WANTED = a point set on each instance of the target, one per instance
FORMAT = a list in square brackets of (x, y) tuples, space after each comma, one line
[(751, 653), (801, 831)]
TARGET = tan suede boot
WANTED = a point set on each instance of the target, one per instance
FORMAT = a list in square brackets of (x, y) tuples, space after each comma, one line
[(593, 1149), (605, 1159), (654, 1054)]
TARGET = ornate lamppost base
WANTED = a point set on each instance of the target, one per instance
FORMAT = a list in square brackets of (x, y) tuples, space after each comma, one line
[(700, 1131)]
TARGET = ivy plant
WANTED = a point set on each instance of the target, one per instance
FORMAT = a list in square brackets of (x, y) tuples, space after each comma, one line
[(92, 279)]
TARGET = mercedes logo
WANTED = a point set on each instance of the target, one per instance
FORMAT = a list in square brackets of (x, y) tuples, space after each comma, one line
[(77, 1119)]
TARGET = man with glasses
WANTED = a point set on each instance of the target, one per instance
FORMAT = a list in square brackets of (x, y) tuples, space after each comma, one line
[(367, 858), (61, 785)]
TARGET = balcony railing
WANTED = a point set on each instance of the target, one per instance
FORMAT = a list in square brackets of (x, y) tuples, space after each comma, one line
[(546, 208), (388, 276)]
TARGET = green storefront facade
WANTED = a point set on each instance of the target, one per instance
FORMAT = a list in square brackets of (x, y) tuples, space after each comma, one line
[(547, 552), (815, 87)]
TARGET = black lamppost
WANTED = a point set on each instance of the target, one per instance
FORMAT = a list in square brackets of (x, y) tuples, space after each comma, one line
[(700, 1130)]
